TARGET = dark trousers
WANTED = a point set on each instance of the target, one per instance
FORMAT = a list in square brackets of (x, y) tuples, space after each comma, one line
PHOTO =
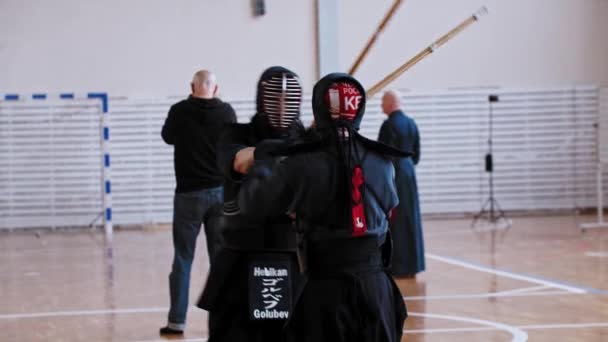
[(347, 297), (348, 308), (188, 212), (232, 323)]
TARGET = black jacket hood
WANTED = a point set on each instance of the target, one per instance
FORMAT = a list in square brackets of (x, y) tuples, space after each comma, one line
[(196, 105), (205, 103)]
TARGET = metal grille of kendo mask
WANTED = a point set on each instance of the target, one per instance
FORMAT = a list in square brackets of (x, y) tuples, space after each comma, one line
[(282, 95)]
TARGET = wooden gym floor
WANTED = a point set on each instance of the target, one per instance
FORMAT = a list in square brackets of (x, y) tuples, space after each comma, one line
[(542, 280)]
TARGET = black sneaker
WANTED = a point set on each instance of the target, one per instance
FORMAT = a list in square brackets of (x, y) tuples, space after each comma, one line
[(169, 331)]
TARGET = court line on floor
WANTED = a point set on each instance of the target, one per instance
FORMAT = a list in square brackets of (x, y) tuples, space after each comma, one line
[(488, 324), (524, 290), (597, 254), (447, 330), (158, 309), (450, 232), (81, 313), (564, 326), (522, 327), (489, 295), (455, 330), (517, 276), (518, 334), (180, 340)]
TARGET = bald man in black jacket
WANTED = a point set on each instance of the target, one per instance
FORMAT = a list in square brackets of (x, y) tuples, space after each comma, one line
[(193, 127)]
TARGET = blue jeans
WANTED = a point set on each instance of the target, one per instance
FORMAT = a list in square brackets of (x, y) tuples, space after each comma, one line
[(188, 212)]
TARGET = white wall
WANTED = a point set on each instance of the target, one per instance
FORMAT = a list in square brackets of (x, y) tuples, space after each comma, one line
[(521, 42), (149, 47), (152, 47)]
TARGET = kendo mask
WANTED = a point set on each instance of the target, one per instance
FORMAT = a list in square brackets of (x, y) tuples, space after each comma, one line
[(338, 102), (338, 99), (279, 97)]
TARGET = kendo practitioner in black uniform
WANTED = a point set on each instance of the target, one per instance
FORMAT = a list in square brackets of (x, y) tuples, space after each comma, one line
[(340, 186), (245, 250)]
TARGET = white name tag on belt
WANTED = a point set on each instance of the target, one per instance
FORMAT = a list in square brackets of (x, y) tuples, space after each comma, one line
[(269, 289)]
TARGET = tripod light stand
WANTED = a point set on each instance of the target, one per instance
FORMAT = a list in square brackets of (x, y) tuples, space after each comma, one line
[(491, 211)]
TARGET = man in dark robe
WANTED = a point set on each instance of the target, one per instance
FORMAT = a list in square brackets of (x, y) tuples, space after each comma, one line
[(401, 132)]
